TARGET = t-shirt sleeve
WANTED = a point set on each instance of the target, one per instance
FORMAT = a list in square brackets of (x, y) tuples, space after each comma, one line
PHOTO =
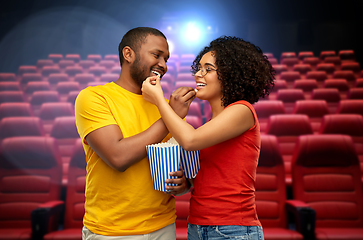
[(92, 112)]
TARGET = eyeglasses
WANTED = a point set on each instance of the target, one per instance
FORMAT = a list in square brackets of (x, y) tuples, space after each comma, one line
[(204, 71)]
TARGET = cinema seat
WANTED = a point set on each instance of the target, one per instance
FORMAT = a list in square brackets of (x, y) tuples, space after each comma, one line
[(15, 110), (27, 69), (327, 177), (44, 62), (302, 68), (313, 61), (327, 53), (319, 76), (49, 111), (107, 63), (113, 57), (270, 194), (182, 212), (347, 124), (195, 121), (73, 70), (65, 131), (350, 106), (289, 97), (290, 77), (279, 68), (347, 74), (30, 177), (86, 64), (21, 126), (31, 87), (74, 56), (94, 57), (10, 86), (97, 70), (30, 77), (66, 87), (265, 109), (54, 78), (303, 55), (347, 55), (329, 68), (287, 128), (47, 70), (314, 109), (75, 198), (290, 62), (334, 60), (307, 85), (355, 93), (55, 57), (7, 77), (11, 96), (65, 63), (330, 95)]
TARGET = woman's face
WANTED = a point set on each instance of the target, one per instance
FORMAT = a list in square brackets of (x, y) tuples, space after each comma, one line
[(208, 85)]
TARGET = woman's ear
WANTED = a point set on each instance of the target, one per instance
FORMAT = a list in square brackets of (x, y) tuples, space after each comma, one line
[(128, 54)]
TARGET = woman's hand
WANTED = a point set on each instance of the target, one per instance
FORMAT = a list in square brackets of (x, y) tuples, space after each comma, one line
[(152, 91)]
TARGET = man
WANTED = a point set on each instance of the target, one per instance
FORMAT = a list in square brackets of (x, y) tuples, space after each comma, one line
[(116, 124)]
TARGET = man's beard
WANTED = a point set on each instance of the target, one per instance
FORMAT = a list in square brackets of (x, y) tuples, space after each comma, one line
[(138, 73)]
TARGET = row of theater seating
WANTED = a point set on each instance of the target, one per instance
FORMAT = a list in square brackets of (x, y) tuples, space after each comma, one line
[(327, 190)]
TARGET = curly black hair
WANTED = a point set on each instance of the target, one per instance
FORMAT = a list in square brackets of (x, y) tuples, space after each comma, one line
[(243, 70)]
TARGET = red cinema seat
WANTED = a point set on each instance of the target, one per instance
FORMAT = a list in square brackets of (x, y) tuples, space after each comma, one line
[(279, 68), (31, 87), (44, 62), (10, 86), (347, 124), (347, 55), (358, 83), (66, 87), (313, 61), (352, 66), (285, 55), (289, 97), (273, 61), (279, 84), (75, 198), (15, 110), (11, 96), (335, 60), (112, 57), (30, 77), (84, 78), (94, 57), (97, 70), (328, 53), (327, 177), (355, 93), (109, 77), (265, 109), (195, 110), (40, 97), (347, 74), (329, 68), (7, 77), (182, 212), (47, 70), (73, 70), (21, 126), (354, 106), (108, 64), (319, 76), (55, 57), (75, 57), (65, 131), (86, 64), (287, 128), (195, 121), (306, 54), (54, 78), (302, 68), (271, 192), (50, 111), (314, 109), (269, 55), (307, 85), (339, 83), (72, 95), (116, 70), (290, 62), (30, 177), (27, 69), (330, 95), (66, 63)]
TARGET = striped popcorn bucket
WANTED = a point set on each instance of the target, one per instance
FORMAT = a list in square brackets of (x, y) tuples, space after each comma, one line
[(163, 159), (166, 157)]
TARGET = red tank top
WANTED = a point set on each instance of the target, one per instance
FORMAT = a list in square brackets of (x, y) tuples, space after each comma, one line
[(224, 188)]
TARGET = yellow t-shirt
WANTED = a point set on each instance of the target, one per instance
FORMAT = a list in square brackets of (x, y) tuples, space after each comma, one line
[(120, 203)]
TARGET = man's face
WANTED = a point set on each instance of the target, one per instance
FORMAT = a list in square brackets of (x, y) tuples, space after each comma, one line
[(152, 56)]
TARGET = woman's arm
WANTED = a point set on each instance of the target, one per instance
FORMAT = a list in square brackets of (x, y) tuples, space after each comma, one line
[(230, 123)]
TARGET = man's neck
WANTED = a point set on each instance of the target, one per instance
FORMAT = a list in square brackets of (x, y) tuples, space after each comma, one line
[(126, 82)]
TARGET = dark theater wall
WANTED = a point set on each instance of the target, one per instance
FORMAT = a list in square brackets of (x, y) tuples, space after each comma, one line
[(30, 30)]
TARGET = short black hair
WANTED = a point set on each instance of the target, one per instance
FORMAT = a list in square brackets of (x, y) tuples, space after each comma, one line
[(243, 70), (135, 37)]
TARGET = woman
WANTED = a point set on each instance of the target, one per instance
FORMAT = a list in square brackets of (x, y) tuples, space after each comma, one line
[(231, 74)]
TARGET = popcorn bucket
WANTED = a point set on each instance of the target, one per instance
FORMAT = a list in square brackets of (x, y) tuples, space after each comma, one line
[(166, 157)]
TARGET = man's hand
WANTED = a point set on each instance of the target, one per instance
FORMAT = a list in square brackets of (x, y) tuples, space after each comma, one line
[(183, 184), (181, 99)]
